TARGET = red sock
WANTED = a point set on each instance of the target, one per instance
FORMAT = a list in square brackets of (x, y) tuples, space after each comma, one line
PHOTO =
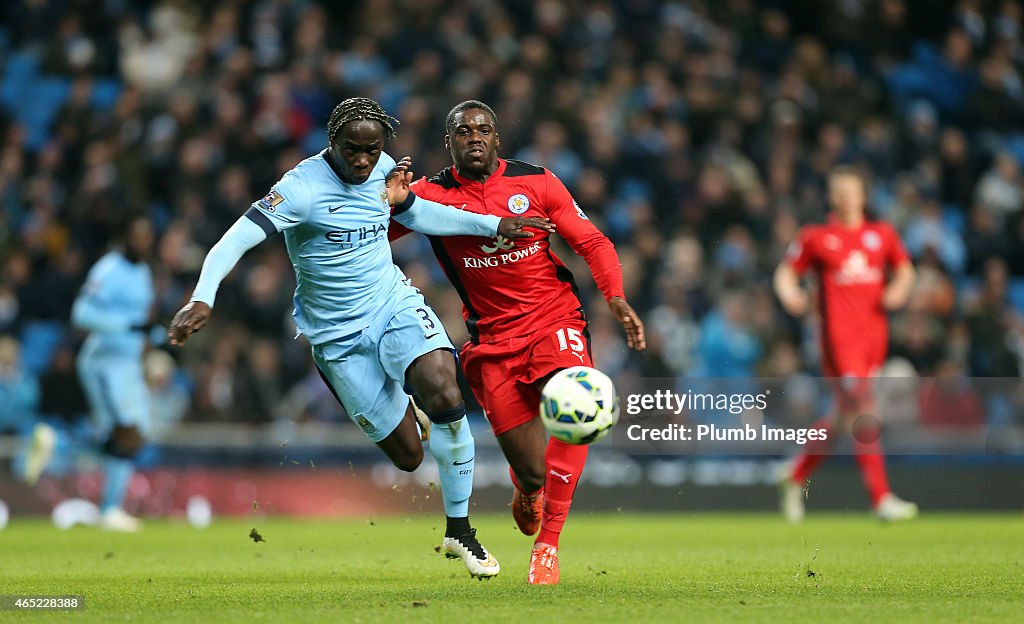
[(564, 464), (813, 455), (872, 467)]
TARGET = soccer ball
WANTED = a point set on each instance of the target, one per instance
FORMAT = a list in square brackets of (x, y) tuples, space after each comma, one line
[(579, 405)]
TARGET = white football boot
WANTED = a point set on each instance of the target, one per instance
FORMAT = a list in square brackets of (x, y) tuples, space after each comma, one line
[(479, 562), (791, 500), (117, 519), (44, 438), (892, 508)]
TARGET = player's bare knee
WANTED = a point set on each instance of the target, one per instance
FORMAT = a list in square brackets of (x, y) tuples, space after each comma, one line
[(433, 378), (409, 461), (445, 398), (436, 389), (124, 442)]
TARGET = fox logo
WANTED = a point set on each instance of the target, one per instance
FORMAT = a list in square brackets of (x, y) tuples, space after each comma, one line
[(500, 244)]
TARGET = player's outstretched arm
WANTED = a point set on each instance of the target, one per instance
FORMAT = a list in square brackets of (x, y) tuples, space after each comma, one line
[(599, 253), (90, 310), (897, 291), (240, 238), (432, 218), (787, 287)]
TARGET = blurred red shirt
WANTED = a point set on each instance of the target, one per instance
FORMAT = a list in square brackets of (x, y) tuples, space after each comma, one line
[(852, 265)]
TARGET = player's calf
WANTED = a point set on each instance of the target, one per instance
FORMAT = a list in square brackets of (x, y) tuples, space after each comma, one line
[(523, 447), (121, 448), (403, 446)]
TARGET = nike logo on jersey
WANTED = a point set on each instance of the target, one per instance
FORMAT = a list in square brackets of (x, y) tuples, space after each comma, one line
[(431, 336), (334, 209), (455, 463), (564, 477)]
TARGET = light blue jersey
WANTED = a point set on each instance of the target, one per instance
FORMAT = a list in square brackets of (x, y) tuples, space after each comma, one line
[(337, 238), (116, 298), (114, 307), (367, 324)]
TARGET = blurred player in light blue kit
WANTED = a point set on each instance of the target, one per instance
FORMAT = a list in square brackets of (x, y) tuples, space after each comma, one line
[(115, 308), (371, 331)]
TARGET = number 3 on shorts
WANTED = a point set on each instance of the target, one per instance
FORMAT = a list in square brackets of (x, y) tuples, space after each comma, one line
[(570, 337), (428, 323)]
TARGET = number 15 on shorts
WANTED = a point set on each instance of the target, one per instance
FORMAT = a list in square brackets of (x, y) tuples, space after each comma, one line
[(570, 337)]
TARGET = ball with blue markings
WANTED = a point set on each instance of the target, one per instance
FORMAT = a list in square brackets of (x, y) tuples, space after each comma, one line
[(579, 405)]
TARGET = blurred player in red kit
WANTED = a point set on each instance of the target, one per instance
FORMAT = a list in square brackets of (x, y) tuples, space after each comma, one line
[(525, 319), (863, 272)]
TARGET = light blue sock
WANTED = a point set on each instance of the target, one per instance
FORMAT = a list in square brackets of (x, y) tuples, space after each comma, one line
[(453, 449), (117, 474)]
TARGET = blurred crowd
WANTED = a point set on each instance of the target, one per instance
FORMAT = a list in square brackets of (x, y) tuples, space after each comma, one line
[(695, 133)]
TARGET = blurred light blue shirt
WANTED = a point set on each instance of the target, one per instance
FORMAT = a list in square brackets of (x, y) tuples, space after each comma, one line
[(114, 303)]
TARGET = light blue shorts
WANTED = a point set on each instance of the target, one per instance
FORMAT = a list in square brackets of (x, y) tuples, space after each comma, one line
[(116, 390), (366, 370)]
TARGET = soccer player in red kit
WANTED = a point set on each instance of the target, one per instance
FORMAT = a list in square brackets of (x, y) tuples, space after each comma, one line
[(525, 319), (863, 272)]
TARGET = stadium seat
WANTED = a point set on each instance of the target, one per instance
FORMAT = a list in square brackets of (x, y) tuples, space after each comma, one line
[(1016, 294), (39, 339), (953, 217)]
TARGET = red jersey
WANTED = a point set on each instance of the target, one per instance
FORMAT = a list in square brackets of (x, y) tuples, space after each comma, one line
[(516, 287), (852, 265)]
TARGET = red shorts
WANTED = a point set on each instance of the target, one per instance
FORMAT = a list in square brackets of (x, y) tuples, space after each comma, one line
[(502, 374), (849, 370)]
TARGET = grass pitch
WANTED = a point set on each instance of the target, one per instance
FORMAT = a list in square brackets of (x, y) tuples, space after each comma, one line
[(615, 568)]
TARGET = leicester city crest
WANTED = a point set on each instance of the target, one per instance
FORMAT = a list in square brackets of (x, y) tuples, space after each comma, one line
[(518, 204)]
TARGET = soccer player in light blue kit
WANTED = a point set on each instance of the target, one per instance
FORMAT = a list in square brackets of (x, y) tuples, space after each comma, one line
[(115, 308), (372, 332)]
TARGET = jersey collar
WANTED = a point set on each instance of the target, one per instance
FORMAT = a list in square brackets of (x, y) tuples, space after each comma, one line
[(500, 171), (831, 219)]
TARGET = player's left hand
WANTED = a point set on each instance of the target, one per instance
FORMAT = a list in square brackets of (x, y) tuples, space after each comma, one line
[(398, 181), (512, 227), (895, 296), (630, 321), (190, 319)]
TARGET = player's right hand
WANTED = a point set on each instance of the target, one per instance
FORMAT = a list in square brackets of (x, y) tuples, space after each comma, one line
[(190, 319), (512, 227), (630, 320), (796, 301)]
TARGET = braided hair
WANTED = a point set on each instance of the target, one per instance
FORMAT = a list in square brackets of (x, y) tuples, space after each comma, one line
[(359, 108)]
